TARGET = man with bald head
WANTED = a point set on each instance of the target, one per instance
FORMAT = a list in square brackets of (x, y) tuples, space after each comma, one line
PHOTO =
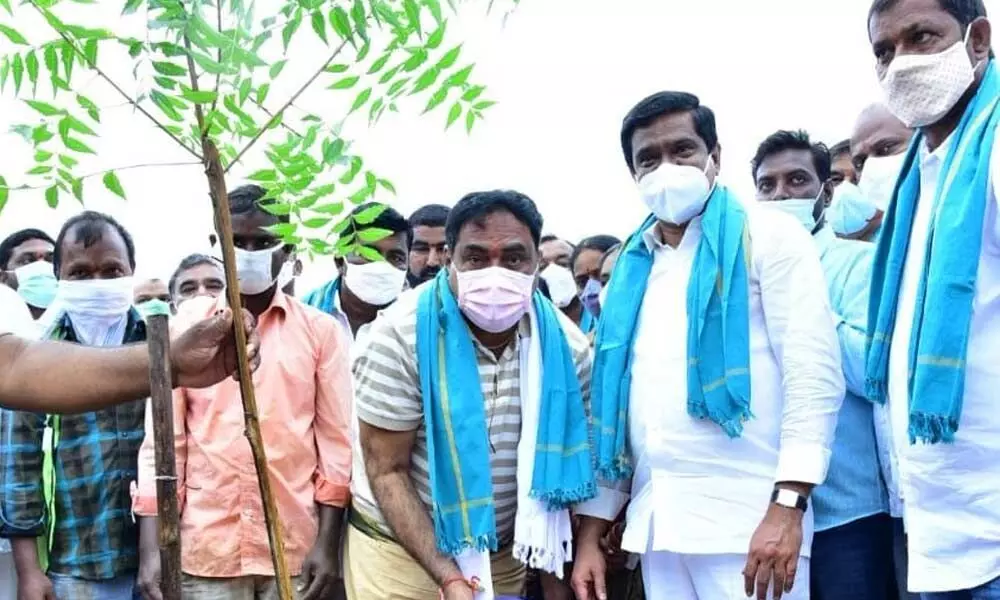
[(878, 147)]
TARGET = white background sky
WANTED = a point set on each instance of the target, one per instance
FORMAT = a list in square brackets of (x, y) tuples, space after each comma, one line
[(564, 73)]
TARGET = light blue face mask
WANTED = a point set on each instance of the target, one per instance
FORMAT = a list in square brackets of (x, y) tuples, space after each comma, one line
[(803, 209), (851, 210), (36, 283)]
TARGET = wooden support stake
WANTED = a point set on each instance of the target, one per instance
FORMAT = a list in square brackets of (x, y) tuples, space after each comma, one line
[(161, 395), (224, 226)]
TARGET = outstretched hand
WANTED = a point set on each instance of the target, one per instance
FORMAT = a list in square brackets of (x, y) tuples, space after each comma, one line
[(205, 353)]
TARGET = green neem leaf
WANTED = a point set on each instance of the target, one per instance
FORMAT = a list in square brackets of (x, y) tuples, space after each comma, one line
[(4, 192), (418, 58), (42, 156), (387, 186), (289, 30), (449, 57), (316, 222), (345, 83), (165, 105), (483, 105), (88, 105), (454, 114), (17, 69), (43, 108), (332, 151), (39, 170), (131, 6), (52, 196), (435, 7), (77, 146), (426, 80), (68, 161), (459, 77), (337, 68), (341, 22), (166, 83), (397, 86), (361, 98), (373, 234), (334, 208), (114, 186), (319, 26), (31, 65), (368, 215), (77, 187), (369, 253), (412, 14), (90, 51), (473, 92), (200, 96), (51, 58), (360, 19), (245, 90), (6, 6), (69, 122), (262, 92), (276, 68), (278, 209), (437, 36), (264, 175), (13, 35), (169, 69), (353, 171), (282, 230), (470, 120), (436, 99), (379, 63), (212, 66)]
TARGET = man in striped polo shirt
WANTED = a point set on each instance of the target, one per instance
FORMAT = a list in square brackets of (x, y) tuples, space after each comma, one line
[(493, 238)]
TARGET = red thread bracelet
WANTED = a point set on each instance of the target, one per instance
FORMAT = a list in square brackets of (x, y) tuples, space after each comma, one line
[(473, 583)]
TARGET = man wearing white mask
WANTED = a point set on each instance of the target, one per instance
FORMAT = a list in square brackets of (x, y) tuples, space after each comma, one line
[(878, 147), (934, 320), (563, 291), (304, 399), (852, 548), (471, 396), (77, 539), (368, 282), (26, 266), (717, 378)]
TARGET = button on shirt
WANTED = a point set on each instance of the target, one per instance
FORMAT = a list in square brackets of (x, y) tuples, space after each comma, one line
[(695, 490), (951, 492), (303, 392)]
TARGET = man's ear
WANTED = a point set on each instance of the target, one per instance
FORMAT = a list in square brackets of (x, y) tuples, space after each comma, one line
[(827, 193), (717, 158), (980, 31)]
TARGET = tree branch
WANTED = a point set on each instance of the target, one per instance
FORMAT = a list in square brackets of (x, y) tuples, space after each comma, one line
[(282, 110), (189, 163), (110, 81)]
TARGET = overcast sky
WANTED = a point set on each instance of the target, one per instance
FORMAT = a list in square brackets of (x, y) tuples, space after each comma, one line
[(564, 73)]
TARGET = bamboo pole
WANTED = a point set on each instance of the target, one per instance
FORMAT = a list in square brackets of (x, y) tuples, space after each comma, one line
[(216, 175), (224, 226), (168, 523)]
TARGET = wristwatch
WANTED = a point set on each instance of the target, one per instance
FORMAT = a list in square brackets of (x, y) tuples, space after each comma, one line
[(789, 499)]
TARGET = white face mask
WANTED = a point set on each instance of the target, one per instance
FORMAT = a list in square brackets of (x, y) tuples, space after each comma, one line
[(375, 283), (878, 179), (562, 287), (603, 296), (286, 274), (802, 209), (95, 299), (920, 89), (676, 193), (254, 269), (850, 210)]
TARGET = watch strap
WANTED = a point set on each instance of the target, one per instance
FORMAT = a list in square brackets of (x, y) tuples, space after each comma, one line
[(789, 499)]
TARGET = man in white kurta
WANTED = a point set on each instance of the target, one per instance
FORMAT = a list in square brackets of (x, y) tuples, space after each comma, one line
[(705, 507), (951, 489)]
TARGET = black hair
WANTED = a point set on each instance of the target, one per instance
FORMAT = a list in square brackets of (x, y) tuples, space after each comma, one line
[(431, 215), (839, 149), (251, 198), (601, 243), (782, 140), (16, 239), (191, 261), (659, 104), (963, 11), (475, 207), (548, 237), (89, 227)]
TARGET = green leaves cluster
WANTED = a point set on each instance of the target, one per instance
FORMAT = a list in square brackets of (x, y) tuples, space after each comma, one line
[(213, 67)]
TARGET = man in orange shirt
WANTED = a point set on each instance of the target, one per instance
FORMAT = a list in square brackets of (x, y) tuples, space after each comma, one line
[(304, 399)]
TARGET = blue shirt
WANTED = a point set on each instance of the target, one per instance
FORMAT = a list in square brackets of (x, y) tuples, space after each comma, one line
[(854, 487)]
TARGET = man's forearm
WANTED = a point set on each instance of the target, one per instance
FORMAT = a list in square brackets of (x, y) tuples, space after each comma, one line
[(89, 378), (25, 551), (149, 536), (410, 523), (331, 520)]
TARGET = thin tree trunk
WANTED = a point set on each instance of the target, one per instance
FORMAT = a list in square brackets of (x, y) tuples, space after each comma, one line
[(166, 471), (224, 226)]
